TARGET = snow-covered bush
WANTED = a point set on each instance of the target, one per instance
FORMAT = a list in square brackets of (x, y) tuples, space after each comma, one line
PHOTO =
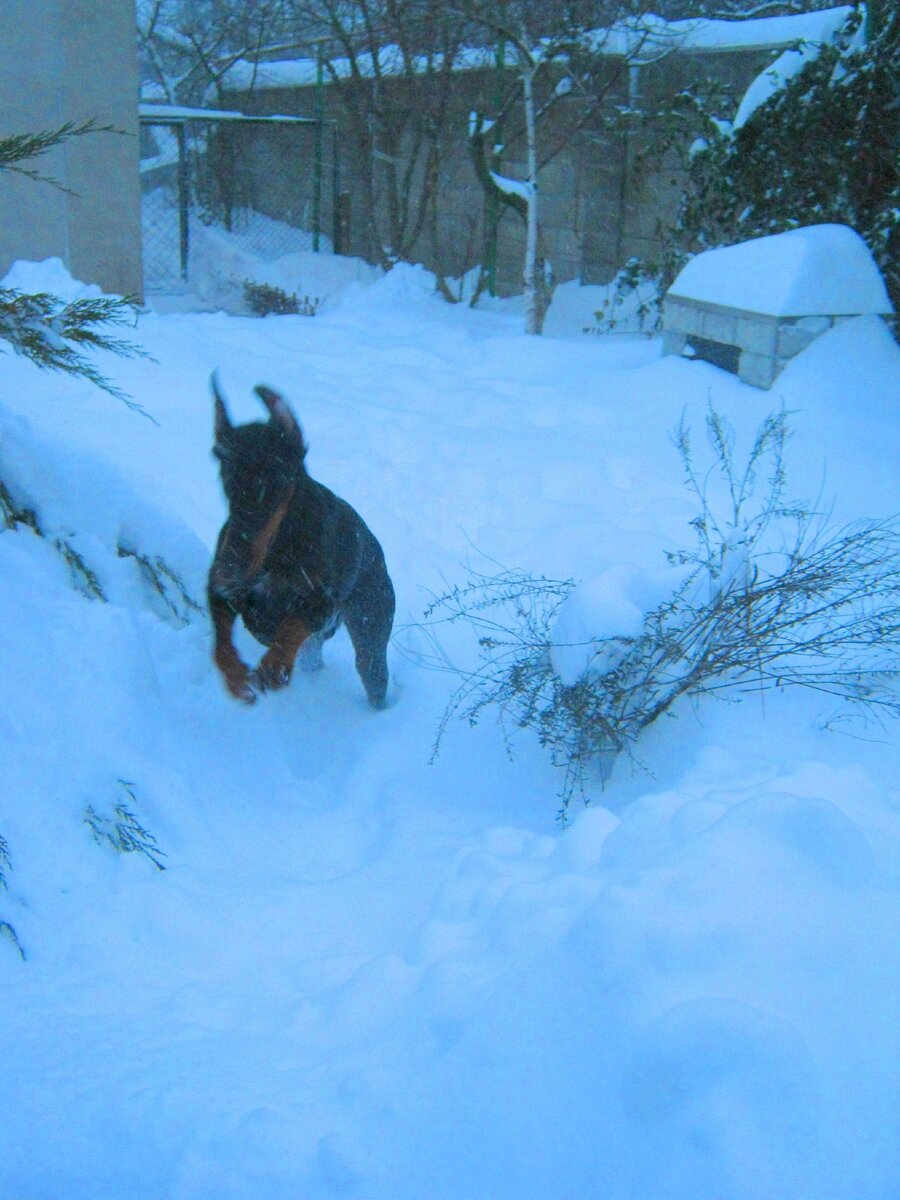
[(265, 298), (13, 515), (52, 332), (770, 596)]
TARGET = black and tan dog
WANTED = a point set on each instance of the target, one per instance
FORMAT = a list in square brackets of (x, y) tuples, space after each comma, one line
[(293, 560)]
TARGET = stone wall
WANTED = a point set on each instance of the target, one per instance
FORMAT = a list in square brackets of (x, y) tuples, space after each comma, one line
[(73, 60)]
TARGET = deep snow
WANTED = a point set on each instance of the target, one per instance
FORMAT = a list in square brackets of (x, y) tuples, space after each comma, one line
[(364, 975)]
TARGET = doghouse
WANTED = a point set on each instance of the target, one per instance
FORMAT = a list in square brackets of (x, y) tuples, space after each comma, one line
[(750, 308)]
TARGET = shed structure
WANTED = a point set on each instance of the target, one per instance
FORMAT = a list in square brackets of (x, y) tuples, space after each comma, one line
[(752, 307)]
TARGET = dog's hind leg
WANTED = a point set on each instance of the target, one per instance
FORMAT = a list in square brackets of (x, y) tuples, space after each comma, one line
[(309, 657), (369, 615)]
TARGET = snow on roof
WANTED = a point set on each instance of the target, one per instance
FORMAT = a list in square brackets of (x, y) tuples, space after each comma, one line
[(183, 112), (301, 72), (817, 270), (643, 40)]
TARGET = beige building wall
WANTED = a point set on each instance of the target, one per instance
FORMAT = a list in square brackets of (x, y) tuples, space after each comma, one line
[(72, 60)]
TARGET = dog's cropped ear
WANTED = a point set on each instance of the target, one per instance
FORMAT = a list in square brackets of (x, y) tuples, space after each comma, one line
[(280, 415), (222, 426)]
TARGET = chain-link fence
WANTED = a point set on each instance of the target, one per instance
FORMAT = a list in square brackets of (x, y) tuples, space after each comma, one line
[(230, 199)]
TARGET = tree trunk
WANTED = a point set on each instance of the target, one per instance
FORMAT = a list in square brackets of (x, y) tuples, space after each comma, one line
[(534, 316)]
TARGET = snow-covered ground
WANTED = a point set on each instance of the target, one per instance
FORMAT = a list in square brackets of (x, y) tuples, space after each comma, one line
[(259, 249), (364, 975)]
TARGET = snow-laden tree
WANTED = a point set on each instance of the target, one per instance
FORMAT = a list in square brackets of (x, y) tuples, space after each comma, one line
[(814, 140), (55, 334)]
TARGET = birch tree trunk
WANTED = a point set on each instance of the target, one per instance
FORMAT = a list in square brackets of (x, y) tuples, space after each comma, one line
[(534, 317)]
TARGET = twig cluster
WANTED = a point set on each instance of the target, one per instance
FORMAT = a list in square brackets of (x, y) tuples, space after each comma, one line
[(6, 930), (774, 597), (263, 299), (166, 582), (123, 831), (159, 575), (84, 578)]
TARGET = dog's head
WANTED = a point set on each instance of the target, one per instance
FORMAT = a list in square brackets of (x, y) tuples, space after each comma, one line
[(260, 464)]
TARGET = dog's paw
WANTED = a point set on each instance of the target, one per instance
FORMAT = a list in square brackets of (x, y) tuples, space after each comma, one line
[(270, 675), (238, 681), (242, 690)]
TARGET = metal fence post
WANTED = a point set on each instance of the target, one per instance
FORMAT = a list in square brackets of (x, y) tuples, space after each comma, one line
[(183, 205), (337, 239)]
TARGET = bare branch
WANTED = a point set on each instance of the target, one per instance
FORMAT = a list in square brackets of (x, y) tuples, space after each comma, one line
[(776, 598)]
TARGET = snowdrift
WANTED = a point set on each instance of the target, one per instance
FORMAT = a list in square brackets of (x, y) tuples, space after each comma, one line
[(363, 975)]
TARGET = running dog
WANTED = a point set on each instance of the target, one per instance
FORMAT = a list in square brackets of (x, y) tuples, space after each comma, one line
[(293, 560)]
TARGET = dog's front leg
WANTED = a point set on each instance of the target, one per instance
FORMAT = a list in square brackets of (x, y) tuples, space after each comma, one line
[(234, 670), (276, 665)]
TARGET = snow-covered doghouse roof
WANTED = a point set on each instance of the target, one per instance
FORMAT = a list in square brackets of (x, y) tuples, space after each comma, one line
[(816, 270), (643, 40)]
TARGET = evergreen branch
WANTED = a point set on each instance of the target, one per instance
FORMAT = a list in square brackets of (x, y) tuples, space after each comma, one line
[(20, 147), (40, 327)]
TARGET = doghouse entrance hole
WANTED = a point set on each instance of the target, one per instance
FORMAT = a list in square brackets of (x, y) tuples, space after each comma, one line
[(720, 354)]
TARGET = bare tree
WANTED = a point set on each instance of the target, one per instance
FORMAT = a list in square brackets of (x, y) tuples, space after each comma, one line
[(558, 81), (188, 46), (391, 66)]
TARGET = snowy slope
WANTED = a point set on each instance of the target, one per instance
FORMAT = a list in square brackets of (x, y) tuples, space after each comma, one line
[(364, 975)]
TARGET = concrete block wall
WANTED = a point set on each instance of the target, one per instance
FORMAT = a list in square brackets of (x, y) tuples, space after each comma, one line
[(596, 213), (766, 343)]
